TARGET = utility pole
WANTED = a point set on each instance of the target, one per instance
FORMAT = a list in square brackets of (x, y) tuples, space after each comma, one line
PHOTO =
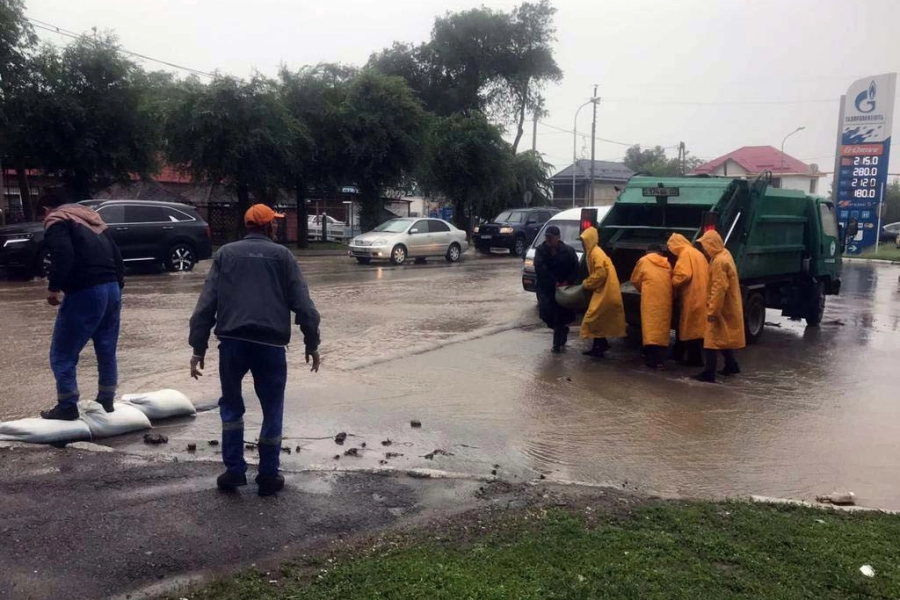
[(682, 157), (593, 143), (534, 132)]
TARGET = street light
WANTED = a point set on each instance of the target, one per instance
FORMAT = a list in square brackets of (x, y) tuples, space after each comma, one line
[(785, 139), (575, 145)]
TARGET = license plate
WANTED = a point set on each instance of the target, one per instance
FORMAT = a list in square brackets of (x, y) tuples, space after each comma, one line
[(486, 237)]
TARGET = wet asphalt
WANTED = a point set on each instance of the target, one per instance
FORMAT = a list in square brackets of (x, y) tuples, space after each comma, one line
[(460, 348)]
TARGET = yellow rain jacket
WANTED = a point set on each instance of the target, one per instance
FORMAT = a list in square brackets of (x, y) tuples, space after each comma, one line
[(652, 277), (724, 299), (605, 317), (691, 281)]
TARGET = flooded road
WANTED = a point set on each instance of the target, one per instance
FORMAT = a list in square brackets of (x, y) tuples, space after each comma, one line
[(458, 347)]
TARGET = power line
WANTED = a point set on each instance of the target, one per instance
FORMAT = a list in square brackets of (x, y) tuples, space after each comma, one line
[(43, 25), (584, 135), (724, 103)]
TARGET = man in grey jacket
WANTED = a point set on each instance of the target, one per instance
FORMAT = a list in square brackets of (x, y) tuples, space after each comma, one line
[(252, 288)]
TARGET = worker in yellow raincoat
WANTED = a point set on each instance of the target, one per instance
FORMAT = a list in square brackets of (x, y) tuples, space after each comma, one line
[(691, 281), (652, 277), (605, 316), (724, 309)]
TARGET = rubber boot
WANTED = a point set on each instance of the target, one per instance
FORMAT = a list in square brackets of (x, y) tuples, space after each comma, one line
[(598, 348), (557, 341)]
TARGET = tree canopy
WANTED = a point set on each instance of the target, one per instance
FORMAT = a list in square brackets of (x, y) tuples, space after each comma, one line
[(653, 161)]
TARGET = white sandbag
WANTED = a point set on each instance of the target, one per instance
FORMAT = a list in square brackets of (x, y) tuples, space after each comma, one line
[(163, 404), (125, 419), (43, 431)]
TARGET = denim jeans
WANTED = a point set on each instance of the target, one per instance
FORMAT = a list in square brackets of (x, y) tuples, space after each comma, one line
[(91, 314), (268, 365)]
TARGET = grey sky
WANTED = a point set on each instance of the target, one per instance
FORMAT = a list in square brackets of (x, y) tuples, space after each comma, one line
[(648, 56)]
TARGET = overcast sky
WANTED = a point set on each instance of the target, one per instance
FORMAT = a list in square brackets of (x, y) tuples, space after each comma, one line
[(668, 70)]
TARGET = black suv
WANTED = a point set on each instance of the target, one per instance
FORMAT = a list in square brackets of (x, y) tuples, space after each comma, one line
[(146, 232), (512, 230)]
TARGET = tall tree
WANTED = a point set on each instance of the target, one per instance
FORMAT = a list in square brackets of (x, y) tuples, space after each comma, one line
[(234, 132), (382, 123), (525, 63), (17, 79), (653, 161), (468, 162), (95, 127), (313, 96), (531, 175)]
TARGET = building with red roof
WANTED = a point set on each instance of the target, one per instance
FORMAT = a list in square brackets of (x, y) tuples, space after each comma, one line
[(751, 161)]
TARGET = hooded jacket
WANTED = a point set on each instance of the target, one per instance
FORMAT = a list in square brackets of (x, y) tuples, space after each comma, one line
[(723, 302), (605, 316), (691, 281), (82, 251), (652, 277)]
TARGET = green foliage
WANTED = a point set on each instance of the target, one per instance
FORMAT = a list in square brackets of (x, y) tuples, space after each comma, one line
[(654, 161), (382, 124), (467, 161), (235, 132), (86, 119), (481, 60), (891, 210)]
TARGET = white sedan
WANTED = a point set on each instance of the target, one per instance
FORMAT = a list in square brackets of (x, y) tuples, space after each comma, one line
[(398, 240)]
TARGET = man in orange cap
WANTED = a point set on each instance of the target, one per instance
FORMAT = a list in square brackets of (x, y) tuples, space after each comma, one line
[(252, 288)]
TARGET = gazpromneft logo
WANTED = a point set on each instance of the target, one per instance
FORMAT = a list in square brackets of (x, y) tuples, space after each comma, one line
[(865, 101), (862, 150)]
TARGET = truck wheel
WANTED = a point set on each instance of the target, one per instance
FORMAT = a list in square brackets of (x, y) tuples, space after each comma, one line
[(815, 304), (754, 317)]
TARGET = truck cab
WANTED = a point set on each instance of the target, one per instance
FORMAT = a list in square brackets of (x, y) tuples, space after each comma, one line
[(786, 244)]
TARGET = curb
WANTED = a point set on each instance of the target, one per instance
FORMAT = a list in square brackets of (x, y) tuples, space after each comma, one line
[(877, 261)]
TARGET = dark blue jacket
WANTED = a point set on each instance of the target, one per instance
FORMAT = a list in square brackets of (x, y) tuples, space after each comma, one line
[(252, 288)]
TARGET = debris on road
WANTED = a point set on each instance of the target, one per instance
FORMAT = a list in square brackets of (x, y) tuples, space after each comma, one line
[(352, 452), (337, 457), (285, 449), (382, 462), (155, 438), (415, 424), (838, 499), (387, 442), (340, 438), (213, 442), (438, 452), (192, 447), (363, 445), (390, 455), (249, 446)]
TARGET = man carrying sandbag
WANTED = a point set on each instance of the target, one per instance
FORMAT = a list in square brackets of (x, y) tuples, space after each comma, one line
[(555, 264), (85, 281), (252, 288)]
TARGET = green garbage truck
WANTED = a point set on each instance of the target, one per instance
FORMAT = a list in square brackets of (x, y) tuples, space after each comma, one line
[(787, 245)]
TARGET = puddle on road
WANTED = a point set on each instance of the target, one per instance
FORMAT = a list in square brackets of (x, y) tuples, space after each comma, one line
[(813, 412)]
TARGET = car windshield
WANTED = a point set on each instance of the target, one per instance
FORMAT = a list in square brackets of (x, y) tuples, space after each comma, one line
[(511, 216), (394, 226), (569, 233)]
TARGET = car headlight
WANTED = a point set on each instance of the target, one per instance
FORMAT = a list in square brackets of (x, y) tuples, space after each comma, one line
[(477, 229), (506, 230), (17, 238), (529, 262), (379, 242)]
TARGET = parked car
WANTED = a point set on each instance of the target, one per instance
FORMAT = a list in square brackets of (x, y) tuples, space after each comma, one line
[(398, 240), (569, 223), (336, 230), (890, 233), (22, 250), (512, 231)]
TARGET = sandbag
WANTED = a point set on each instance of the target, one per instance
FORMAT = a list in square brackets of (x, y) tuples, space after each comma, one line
[(573, 297), (125, 419), (162, 404), (43, 431)]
